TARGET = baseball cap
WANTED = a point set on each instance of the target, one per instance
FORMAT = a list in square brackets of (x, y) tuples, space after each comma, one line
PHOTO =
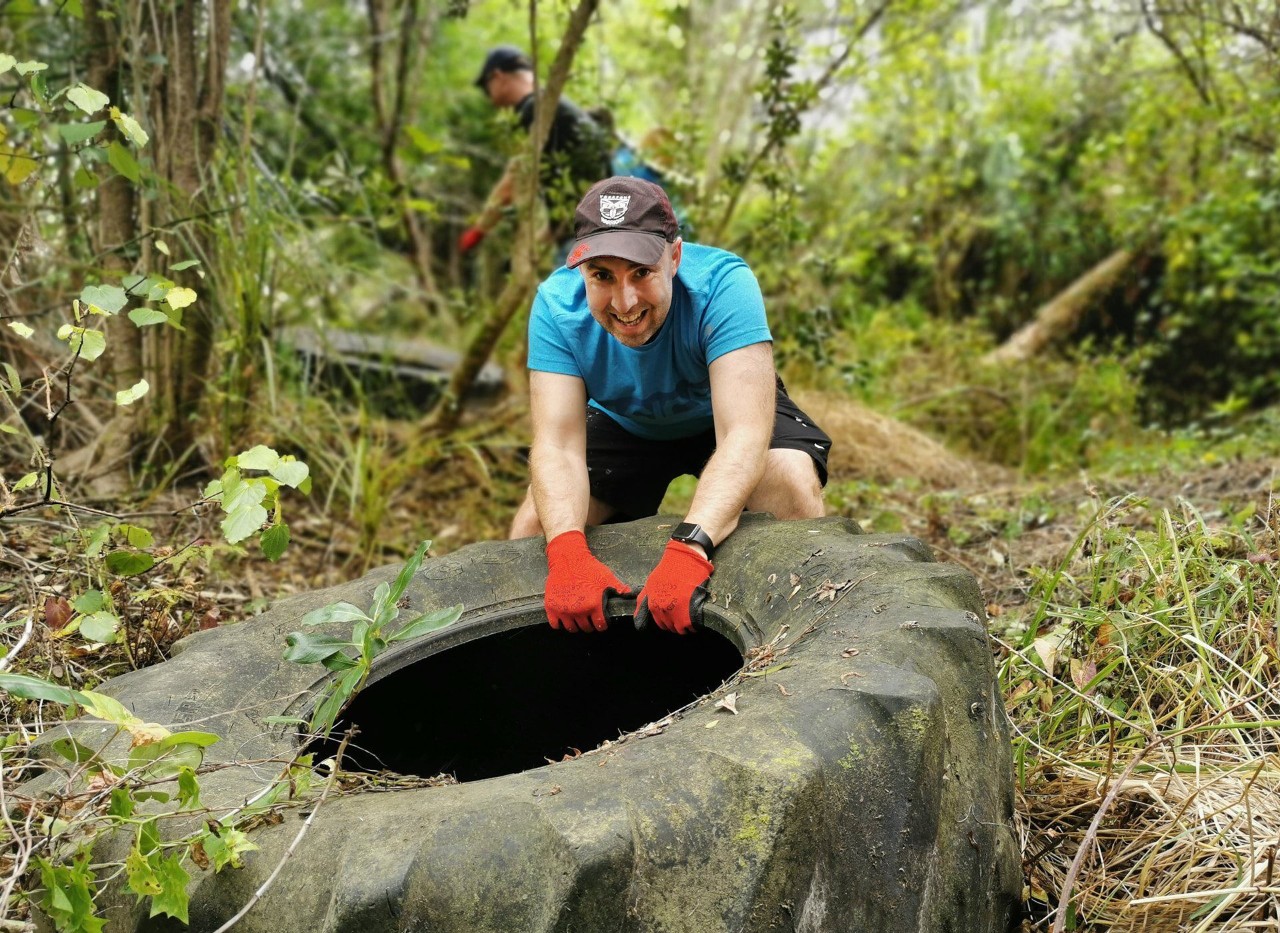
[(628, 218), (502, 58)]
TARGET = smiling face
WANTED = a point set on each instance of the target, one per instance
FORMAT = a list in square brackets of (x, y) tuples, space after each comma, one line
[(628, 299)]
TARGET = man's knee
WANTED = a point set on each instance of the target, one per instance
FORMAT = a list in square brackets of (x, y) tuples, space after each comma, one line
[(790, 487)]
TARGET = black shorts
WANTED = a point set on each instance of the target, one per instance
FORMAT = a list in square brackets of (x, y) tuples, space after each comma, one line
[(632, 473)]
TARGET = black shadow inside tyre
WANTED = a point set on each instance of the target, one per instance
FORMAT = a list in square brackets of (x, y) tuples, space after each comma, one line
[(512, 701)]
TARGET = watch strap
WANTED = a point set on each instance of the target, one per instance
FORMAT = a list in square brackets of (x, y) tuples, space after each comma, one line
[(689, 533)]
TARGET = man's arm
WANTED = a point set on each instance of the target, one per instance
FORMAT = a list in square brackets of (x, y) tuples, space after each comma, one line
[(744, 400), (558, 457)]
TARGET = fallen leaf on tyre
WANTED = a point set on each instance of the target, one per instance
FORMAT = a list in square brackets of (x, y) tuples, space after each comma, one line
[(784, 691), (844, 678), (729, 702), (795, 579), (850, 653)]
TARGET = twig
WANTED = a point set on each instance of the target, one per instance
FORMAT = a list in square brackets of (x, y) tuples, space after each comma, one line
[(262, 889), (13, 652)]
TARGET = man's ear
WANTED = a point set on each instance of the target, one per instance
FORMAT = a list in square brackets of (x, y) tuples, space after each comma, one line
[(676, 253)]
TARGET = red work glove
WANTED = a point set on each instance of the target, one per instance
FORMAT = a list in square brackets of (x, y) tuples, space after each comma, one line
[(470, 239), (578, 585), (669, 593)]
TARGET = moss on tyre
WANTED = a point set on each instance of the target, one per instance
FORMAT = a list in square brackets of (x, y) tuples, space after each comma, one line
[(865, 783)]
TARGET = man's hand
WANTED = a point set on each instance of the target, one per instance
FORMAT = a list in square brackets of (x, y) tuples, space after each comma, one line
[(470, 239), (668, 594), (578, 585)]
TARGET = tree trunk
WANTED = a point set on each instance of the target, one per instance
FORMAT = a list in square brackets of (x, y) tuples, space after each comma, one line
[(1060, 317), (523, 282)]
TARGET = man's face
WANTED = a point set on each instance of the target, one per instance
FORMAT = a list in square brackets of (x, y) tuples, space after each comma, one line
[(630, 300), (508, 88)]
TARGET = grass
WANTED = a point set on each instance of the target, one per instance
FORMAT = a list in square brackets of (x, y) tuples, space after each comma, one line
[(1143, 695)]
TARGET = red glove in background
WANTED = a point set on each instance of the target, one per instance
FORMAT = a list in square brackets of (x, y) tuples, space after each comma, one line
[(668, 594), (470, 239), (578, 585)]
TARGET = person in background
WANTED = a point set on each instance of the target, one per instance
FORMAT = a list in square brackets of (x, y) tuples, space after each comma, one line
[(575, 155), (651, 358)]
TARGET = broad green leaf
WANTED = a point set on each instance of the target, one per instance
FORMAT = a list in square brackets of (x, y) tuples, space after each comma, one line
[(144, 317), (22, 330), (87, 99), (335, 612), (7, 61), (131, 129), (180, 297), (307, 648), (133, 393), (154, 761), (258, 458), (110, 298), (73, 751), (100, 627), (135, 535), (185, 264), (383, 608), (87, 344), (75, 133), (242, 494), (428, 623), (121, 804), (97, 539), (339, 662), (290, 472), (141, 875), (162, 246), (9, 429), (30, 68), (15, 383), (68, 895), (33, 688), (88, 602), (198, 739), (129, 563), (107, 708), (274, 541), (243, 522), (26, 482), (84, 179), (123, 162)]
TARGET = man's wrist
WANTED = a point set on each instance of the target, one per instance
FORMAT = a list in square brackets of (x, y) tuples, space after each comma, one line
[(693, 536)]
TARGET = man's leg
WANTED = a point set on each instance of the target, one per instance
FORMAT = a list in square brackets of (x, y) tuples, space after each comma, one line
[(790, 487)]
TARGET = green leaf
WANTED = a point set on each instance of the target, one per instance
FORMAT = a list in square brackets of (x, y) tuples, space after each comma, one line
[(73, 751), (243, 522), (123, 162), (68, 895), (335, 612), (121, 804), (22, 330), (17, 168), (408, 570), (188, 789), (107, 708), (130, 128), (133, 393), (84, 179), (157, 761), (75, 133), (110, 298), (283, 720), (144, 317), (258, 458), (274, 541), (87, 99), (87, 344), (290, 472), (185, 264), (339, 662), (127, 563), (26, 482), (141, 875), (135, 535), (7, 61), (198, 739), (307, 648), (33, 688), (97, 539), (29, 68), (100, 627), (15, 383), (88, 602), (428, 623)]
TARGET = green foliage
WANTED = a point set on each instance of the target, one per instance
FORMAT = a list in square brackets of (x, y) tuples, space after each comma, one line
[(250, 501), (351, 659)]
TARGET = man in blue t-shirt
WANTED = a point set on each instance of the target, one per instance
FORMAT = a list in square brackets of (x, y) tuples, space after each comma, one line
[(650, 358)]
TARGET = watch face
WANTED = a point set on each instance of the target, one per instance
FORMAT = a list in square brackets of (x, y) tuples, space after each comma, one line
[(685, 530)]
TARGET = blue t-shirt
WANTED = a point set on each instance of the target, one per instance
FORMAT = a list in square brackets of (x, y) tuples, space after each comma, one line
[(661, 390)]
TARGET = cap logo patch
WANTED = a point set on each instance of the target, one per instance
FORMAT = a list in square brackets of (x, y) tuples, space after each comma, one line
[(613, 208), (578, 252)]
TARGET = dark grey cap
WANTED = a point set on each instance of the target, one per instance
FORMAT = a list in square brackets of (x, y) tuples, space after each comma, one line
[(502, 58), (624, 217)]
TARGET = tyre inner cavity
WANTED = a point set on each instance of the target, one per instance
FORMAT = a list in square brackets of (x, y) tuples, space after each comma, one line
[(512, 701)]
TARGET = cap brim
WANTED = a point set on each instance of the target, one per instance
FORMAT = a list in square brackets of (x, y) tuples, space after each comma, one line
[(644, 248)]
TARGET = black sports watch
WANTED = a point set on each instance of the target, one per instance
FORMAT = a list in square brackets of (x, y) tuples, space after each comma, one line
[(690, 533)]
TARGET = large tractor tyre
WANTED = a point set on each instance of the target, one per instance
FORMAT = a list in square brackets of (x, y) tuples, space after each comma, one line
[(859, 778)]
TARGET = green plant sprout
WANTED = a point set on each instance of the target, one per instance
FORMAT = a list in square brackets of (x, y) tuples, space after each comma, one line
[(368, 639)]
